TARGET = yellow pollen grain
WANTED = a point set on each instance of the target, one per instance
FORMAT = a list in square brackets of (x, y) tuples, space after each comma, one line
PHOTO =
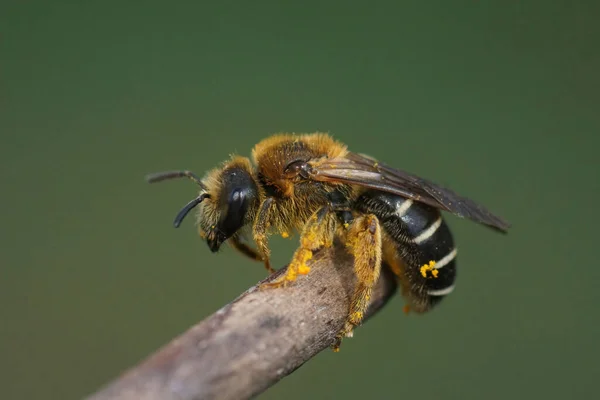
[(357, 316), (285, 235), (290, 276), (305, 255), (429, 267), (311, 237), (303, 269)]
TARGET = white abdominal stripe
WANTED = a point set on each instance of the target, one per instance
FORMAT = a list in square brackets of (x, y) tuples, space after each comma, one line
[(427, 233), (441, 292), (402, 208), (428, 240), (448, 258), (441, 264)]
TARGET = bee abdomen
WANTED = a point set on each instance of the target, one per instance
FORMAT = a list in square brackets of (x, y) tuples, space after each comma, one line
[(424, 242)]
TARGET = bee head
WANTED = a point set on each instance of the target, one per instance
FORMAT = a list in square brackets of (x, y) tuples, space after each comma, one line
[(228, 200), (232, 207)]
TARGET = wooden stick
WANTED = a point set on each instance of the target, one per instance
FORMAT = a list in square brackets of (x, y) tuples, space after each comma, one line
[(254, 341)]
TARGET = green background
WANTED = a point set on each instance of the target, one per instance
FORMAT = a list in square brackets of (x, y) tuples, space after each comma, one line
[(498, 100)]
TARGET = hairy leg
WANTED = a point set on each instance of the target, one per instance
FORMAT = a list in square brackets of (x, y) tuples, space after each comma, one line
[(259, 231), (363, 240), (243, 248), (318, 232)]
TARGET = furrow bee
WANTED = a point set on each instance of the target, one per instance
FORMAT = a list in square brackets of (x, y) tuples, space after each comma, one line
[(312, 184)]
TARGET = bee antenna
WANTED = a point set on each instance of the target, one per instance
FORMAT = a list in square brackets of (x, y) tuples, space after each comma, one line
[(187, 208), (162, 176)]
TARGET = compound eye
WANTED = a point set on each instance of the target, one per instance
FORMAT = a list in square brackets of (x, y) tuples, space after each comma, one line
[(236, 212), (237, 197), (296, 168)]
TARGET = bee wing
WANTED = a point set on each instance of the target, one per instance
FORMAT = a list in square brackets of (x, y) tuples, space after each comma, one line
[(364, 171)]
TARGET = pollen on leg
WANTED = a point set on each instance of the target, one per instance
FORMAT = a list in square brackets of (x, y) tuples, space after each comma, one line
[(356, 317), (304, 269), (298, 266), (429, 267), (310, 239)]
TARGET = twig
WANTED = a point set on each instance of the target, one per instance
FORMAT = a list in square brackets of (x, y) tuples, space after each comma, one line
[(253, 342)]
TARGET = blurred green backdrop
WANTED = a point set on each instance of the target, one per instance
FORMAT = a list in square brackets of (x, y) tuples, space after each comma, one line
[(498, 100)]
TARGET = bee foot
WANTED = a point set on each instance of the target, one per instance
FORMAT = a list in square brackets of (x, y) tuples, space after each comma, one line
[(273, 285), (336, 344), (348, 330)]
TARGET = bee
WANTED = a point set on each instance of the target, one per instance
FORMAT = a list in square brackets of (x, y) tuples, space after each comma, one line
[(312, 184)]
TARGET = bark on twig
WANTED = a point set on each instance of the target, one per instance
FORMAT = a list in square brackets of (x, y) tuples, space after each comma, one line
[(254, 341)]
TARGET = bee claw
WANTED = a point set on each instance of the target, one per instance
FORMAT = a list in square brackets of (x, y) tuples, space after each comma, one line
[(336, 344)]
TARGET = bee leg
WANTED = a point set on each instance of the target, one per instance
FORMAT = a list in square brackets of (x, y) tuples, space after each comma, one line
[(363, 240), (318, 232), (243, 248), (259, 231)]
